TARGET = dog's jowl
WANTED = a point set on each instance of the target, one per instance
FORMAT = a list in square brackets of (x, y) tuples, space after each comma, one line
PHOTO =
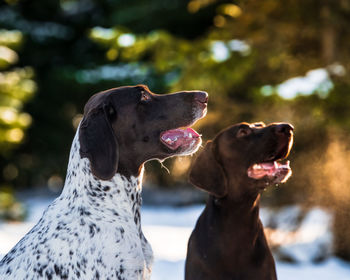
[(92, 230), (228, 241)]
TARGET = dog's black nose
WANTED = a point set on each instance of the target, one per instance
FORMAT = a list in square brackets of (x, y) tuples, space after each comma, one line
[(284, 128), (201, 96)]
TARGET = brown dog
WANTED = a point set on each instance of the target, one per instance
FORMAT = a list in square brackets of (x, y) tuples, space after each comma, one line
[(228, 241)]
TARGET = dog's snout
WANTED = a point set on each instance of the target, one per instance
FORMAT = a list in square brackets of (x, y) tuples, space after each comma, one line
[(201, 96), (284, 129)]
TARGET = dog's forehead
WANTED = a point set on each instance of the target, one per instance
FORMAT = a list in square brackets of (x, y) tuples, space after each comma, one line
[(118, 96), (234, 128), (227, 133), (254, 125), (125, 95), (230, 132)]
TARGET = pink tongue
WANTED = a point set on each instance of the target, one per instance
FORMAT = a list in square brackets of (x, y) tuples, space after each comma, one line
[(262, 169), (259, 170), (174, 138)]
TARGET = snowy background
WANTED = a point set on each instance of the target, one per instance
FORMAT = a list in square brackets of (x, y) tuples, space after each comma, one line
[(168, 229)]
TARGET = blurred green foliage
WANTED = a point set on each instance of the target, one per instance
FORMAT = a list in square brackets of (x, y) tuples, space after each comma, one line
[(16, 88), (259, 60), (10, 208)]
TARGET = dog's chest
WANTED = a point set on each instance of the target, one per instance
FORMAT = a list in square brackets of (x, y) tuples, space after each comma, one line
[(110, 228), (92, 231), (77, 238)]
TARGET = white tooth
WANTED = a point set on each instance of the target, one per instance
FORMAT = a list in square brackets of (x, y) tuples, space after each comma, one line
[(256, 166), (168, 140), (190, 135), (175, 139), (275, 164), (286, 165)]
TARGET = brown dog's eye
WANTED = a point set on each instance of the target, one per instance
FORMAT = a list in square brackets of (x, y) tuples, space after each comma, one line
[(258, 124), (110, 111), (243, 131), (145, 96)]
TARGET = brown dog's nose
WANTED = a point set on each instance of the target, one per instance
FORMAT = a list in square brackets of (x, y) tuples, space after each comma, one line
[(284, 128), (201, 96)]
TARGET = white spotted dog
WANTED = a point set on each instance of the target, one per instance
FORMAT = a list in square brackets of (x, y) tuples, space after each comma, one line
[(93, 230)]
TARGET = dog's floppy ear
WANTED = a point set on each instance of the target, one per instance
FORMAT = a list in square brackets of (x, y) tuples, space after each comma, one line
[(207, 173), (98, 142)]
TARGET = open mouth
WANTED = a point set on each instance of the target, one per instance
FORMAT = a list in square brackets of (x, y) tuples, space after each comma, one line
[(180, 138), (276, 171), (273, 168), (185, 140)]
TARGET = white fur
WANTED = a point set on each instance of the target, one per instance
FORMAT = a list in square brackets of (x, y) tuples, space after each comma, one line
[(91, 231)]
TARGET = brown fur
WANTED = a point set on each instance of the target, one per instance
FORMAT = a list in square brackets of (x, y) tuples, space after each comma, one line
[(228, 241), (121, 127)]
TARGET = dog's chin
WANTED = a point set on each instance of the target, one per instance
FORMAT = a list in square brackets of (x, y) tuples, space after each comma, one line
[(281, 177)]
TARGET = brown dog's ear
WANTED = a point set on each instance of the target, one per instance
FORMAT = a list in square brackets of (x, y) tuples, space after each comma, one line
[(207, 173), (98, 142)]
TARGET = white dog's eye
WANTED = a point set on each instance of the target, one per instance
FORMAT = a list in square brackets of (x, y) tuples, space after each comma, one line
[(145, 96)]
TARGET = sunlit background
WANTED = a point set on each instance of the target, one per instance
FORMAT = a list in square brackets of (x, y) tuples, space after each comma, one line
[(265, 60)]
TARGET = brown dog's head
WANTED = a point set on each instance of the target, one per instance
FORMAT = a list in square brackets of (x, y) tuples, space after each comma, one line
[(124, 127), (244, 158)]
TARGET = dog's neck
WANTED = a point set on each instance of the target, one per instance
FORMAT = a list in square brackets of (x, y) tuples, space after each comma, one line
[(234, 206), (237, 229), (100, 197), (233, 212)]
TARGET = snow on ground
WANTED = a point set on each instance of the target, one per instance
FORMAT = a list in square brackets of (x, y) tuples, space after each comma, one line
[(168, 229), (297, 234)]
